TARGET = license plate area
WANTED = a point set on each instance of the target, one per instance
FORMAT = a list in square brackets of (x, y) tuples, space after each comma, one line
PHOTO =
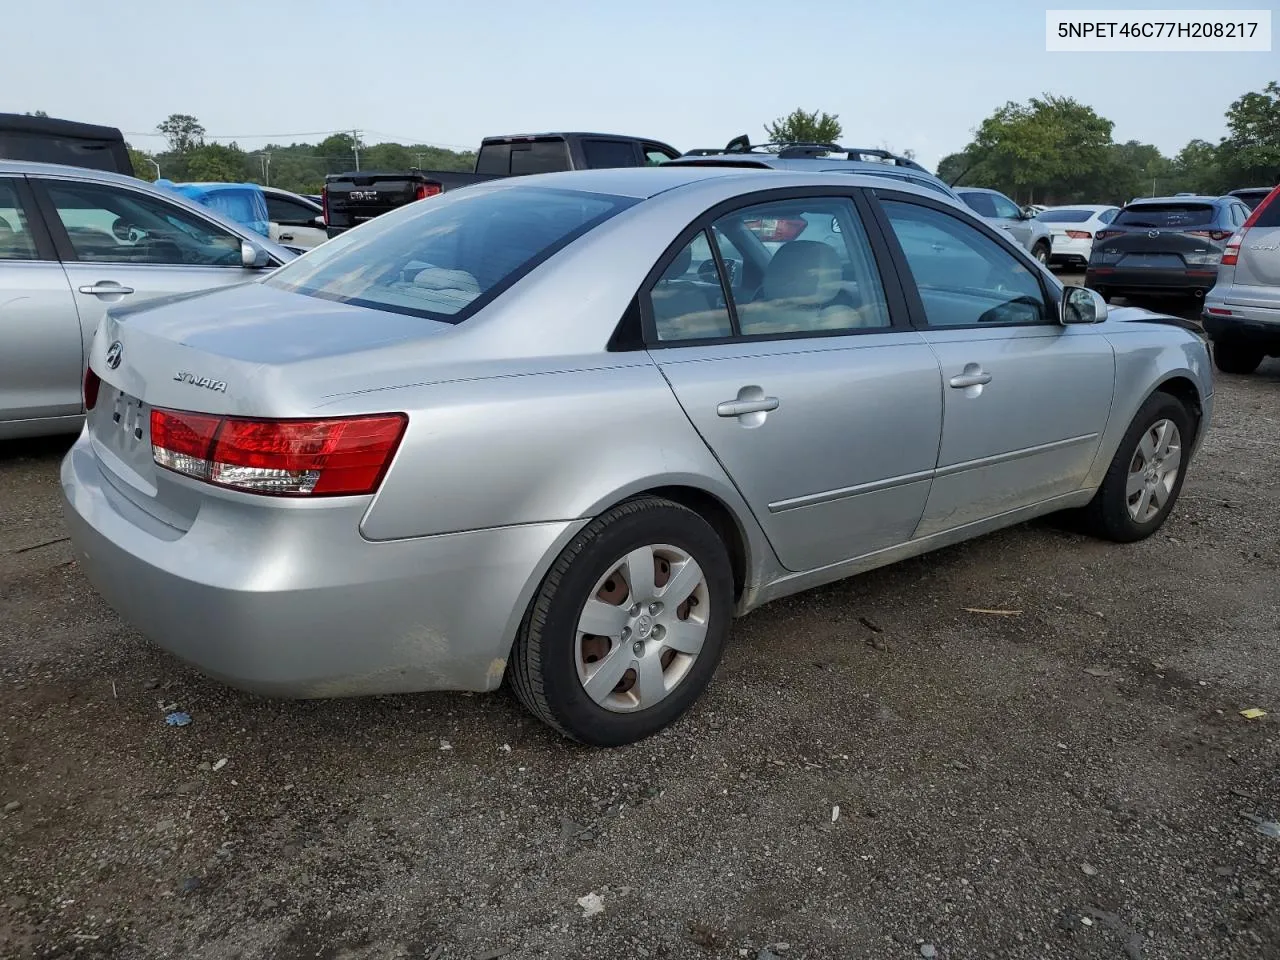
[(120, 425)]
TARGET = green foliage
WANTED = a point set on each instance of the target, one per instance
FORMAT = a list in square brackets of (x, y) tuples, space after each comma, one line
[(799, 126), (183, 132), (142, 168), (1056, 150), (216, 163), (35, 113)]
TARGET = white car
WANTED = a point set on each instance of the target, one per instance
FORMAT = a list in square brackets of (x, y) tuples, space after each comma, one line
[(295, 220), (1071, 230)]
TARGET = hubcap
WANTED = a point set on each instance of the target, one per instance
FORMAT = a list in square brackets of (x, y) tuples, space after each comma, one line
[(642, 628), (1153, 471)]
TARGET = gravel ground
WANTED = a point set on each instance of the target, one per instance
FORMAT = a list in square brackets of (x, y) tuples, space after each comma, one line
[(874, 773)]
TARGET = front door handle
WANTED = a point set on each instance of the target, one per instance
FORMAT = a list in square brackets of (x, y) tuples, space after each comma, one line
[(285, 237), (106, 288), (970, 380), (739, 408)]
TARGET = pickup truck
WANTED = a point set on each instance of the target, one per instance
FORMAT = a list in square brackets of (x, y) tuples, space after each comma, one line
[(350, 199)]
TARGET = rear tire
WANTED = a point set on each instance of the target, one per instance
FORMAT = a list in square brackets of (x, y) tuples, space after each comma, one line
[(1145, 476), (1232, 357), (644, 632), (1041, 252)]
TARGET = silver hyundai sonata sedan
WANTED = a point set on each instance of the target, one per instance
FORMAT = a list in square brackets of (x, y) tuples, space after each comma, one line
[(564, 428)]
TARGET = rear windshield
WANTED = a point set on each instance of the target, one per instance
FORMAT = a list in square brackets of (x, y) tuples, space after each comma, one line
[(1270, 214), (1251, 198), (1064, 216), (444, 260), (1166, 215)]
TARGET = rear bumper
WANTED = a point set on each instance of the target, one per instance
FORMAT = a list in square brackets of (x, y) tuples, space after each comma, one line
[(1070, 250), (1245, 325), (1150, 281), (293, 602)]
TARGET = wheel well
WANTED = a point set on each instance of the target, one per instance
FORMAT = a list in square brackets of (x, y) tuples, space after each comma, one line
[(722, 520), (1183, 390)]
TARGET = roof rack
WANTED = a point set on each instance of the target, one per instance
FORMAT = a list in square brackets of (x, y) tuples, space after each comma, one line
[(799, 149)]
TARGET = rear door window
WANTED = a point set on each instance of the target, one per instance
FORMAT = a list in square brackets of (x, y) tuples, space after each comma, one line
[(16, 241), (981, 203), (1166, 215), (1270, 215), (604, 154), (540, 156), (444, 261)]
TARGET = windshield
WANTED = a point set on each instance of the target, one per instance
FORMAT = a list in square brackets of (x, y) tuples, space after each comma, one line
[(1064, 216), (1166, 215), (445, 260)]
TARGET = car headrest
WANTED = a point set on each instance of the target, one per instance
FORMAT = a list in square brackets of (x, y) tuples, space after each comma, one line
[(803, 271)]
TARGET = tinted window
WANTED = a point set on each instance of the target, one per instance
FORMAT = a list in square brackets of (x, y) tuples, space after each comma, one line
[(73, 151), (964, 277), (980, 202), (494, 159), (111, 225), (654, 155), (446, 260), (1108, 215), (1166, 215), (541, 156), (16, 242), (1270, 214), (1005, 208), (601, 154), (284, 210), (1064, 216)]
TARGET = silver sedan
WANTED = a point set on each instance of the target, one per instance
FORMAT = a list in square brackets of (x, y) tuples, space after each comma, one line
[(564, 428), (74, 242)]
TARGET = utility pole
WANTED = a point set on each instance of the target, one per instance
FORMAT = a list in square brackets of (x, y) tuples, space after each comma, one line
[(355, 146), (156, 165), (266, 168), (417, 159)]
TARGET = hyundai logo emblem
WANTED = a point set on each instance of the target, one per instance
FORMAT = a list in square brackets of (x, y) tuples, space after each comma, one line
[(113, 354)]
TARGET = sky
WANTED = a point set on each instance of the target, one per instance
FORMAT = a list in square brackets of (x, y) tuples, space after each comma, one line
[(901, 73)]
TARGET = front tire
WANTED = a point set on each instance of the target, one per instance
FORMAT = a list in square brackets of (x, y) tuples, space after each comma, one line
[(1041, 252), (1235, 357), (628, 625), (1145, 477)]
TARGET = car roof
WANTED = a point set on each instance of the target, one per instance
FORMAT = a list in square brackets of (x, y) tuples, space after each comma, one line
[(763, 161), (976, 190), (1082, 206), (1180, 198)]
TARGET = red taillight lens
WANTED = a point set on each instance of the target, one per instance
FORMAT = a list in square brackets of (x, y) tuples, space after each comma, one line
[(1080, 234), (334, 457), (91, 384), (1107, 234), (1231, 254), (425, 190), (776, 229), (324, 203), (1211, 234)]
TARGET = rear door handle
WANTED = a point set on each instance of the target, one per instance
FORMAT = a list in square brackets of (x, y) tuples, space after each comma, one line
[(970, 380), (738, 408), (105, 287)]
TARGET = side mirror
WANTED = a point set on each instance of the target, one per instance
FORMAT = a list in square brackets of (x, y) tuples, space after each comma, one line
[(1082, 305), (317, 222), (252, 256)]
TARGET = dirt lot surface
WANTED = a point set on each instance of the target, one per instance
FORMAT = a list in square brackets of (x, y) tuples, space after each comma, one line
[(1075, 780)]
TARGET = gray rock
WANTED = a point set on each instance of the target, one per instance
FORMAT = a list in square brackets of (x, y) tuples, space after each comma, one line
[(13, 806), (928, 951)]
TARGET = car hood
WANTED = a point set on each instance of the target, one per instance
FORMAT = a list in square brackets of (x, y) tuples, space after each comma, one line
[(1143, 315)]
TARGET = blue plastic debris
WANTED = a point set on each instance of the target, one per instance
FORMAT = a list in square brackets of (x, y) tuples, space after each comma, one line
[(178, 719)]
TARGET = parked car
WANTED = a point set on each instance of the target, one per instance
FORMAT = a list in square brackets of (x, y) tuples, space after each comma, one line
[(815, 158), (1072, 229), (242, 203), (296, 221), (1242, 311), (1251, 196), (533, 427), (49, 140), (75, 241), (999, 210), (353, 198), (1164, 245)]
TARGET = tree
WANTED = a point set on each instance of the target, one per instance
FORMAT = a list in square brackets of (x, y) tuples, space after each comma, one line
[(801, 127), (183, 132), (217, 163), (143, 168), (1250, 153), (36, 113)]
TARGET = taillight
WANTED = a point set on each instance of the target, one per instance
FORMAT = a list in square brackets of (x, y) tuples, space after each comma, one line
[(1107, 234), (333, 457), (1211, 234), (1080, 234), (776, 229), (424, 190), (324, 202), (1231, 254), (91, 384)]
